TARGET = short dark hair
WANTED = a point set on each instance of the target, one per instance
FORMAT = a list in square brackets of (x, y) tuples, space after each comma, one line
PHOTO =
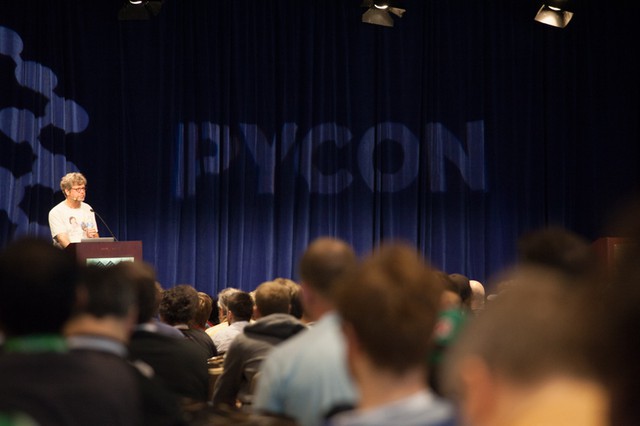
[(240, 304), (395, 294), (205, 307), (37, 287), (448, 284), (325, 260), (143, 278), (223, 298), (294, 289), (179, 304), (272, 297), (463, 286), (558, 249), (109, 289)]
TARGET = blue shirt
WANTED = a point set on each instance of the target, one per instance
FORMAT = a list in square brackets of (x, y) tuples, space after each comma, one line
[(306, 377), (420, 409)]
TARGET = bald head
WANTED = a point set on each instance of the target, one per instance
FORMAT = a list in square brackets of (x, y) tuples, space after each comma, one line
[(325, 260), (477, 296)]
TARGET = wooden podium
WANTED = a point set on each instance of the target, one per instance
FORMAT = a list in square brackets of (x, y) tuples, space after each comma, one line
[(106, 253)]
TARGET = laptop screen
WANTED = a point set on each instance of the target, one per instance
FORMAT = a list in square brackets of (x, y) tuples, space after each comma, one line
[(97, 240)]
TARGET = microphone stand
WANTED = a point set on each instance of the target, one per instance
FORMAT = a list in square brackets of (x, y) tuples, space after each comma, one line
[(105, 224)]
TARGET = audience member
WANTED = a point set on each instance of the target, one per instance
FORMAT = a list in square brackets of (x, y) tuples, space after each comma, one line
[(203, 313), (614, 322), (502, 284), (477, 297), (213, 316), (452, 317), (450, 292), (616, 318), (39, 377), (178, 308), (239, 313), (396, 295), (223, 297), (464, 289), (178, 362), (294, 289), (160, 326), (100, 328), (557, 249), (16, 419), (273, 325), (528, 359), (306, 376)]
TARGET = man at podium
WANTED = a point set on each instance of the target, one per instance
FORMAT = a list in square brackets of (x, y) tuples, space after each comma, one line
[(72, 219)]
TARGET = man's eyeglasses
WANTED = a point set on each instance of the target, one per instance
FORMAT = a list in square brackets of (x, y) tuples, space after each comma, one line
[(80, 189)]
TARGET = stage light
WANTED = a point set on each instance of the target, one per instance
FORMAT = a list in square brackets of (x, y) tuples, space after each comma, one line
[(378, 12), (139, 10), (555, 13)]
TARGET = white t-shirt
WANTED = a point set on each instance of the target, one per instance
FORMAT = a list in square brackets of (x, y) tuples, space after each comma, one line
[(73, 222)]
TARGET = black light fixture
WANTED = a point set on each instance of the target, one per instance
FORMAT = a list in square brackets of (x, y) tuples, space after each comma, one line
[(139, 10), (378, 12), (556, 13)]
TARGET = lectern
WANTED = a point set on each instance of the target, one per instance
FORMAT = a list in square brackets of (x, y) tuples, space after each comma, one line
[(106, 253)]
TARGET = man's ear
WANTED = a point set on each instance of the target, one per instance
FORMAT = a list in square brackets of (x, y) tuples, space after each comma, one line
[(479, 391)]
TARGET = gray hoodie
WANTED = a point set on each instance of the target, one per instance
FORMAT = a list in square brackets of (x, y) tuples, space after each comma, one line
[(245, 354)]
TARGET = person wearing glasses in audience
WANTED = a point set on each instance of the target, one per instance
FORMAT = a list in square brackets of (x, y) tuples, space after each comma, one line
[(72, 219)]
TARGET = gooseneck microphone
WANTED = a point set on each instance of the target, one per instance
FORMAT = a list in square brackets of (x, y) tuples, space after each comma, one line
[(105, 224)]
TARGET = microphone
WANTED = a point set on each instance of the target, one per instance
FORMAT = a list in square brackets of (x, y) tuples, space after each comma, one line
[(105, 224)]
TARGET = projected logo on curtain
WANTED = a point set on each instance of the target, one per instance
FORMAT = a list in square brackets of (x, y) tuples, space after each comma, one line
[(208, 148), (25, 164), (29, 169)]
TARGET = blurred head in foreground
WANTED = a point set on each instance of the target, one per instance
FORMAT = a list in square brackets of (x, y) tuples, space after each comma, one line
[(389, 306), (529, 359)]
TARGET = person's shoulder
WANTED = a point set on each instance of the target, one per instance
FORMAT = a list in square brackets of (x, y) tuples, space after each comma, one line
[(212, 331), (290, 348), (306, 347), (230, 331), (146, 342), (145, 337), (423, 409), (58, 207), (241, 340), (106, 363)]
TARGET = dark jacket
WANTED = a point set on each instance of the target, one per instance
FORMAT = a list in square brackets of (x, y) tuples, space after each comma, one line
[(179, 363)]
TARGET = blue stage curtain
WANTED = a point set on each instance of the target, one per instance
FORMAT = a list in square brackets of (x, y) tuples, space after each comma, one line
[(226, 135)]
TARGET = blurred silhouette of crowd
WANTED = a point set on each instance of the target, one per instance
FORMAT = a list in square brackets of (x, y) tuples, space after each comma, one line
[(384, 339)]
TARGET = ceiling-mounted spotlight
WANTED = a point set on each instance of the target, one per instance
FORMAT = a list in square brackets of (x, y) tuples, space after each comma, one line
[(555, 13), (138, 10), (378, 12)]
